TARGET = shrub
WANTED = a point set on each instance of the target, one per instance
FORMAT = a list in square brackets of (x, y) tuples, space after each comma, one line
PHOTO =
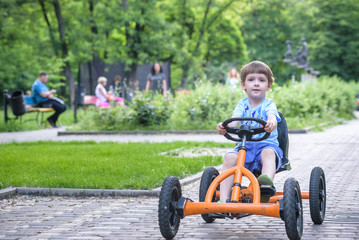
[(204, 107), (150, 109), (146, 110), (303, 105)]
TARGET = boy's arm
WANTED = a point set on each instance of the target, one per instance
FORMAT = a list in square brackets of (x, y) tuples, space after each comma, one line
[(271, 123)]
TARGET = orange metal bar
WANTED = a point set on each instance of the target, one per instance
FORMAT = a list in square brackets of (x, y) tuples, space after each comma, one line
[(305, 195), (275, 198), (238, 175), (254, 184), (239, 170), (212, 188), (279, 195), (218, 195), (264, 209)]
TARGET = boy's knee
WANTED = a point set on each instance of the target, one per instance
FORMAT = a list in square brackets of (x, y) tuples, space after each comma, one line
[(230, 159), (268, 154)]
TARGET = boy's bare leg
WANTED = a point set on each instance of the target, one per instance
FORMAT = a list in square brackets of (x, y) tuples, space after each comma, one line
[(268, 160), (268, 170), (230, 161)]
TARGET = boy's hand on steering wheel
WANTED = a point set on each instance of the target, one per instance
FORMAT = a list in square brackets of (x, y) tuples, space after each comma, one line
[(220, 129), (270, 126)]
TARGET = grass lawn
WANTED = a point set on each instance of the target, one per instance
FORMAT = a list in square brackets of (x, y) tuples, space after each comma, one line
[(94, 165), (27, 121)]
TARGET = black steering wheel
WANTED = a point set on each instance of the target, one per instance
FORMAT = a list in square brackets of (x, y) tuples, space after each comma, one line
[(245, 130)]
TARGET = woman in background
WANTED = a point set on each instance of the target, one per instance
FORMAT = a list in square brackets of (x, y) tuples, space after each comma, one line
[(156, 80), (233, 78)]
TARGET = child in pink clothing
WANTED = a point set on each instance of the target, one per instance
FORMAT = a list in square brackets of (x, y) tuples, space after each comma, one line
[(103, 97)]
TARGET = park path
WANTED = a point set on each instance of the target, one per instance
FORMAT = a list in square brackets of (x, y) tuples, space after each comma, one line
[(336, 150), (51, 134)]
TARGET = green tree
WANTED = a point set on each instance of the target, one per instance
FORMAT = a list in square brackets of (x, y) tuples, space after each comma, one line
[(224, 43), (141, 36), (334, 45), (23, 46), (201, 39), (266, 26)]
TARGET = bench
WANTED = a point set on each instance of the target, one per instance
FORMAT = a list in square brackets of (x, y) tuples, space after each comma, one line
[(88, 100), (21, 105), (31, 107)]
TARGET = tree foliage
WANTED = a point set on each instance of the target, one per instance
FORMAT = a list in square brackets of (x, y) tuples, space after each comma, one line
[(24, 51), (265, 29), (202, 39), (335, 41)]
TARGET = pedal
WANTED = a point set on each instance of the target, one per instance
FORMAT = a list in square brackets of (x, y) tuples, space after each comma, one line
[(267, 190)]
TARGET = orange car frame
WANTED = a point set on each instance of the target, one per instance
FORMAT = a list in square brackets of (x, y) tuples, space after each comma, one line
[(244, 201)]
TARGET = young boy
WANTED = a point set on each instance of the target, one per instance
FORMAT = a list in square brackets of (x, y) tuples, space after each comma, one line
[(263, 156)]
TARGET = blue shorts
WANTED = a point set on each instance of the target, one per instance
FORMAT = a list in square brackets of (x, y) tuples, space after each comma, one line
[(253, 160)]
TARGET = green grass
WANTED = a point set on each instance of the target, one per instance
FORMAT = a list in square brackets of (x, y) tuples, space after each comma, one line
[(27, 121), (92, 165)]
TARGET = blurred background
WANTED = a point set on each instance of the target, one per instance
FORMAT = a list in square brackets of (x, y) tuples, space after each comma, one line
[(194, 41)]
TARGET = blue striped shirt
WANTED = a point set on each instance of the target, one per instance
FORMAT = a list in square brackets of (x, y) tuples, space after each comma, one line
[(243, 109)]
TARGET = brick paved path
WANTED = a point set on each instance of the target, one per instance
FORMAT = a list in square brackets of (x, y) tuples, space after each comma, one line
[(336, 150)]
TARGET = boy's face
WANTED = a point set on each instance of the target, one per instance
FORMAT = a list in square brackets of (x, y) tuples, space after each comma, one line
[(256, 85)]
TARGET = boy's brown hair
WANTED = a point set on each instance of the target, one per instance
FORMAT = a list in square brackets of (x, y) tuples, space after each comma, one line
[(257, 67)]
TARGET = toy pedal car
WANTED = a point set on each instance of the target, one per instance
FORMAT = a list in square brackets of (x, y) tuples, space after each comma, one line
[(245, 200)]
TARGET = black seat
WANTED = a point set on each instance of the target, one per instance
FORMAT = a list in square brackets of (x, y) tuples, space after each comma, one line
[(283, 143)]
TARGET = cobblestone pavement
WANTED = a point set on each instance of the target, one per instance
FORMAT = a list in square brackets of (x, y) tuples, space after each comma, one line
[(336, 150)]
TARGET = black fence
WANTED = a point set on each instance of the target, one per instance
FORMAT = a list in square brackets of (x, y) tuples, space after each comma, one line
[(90, 71)]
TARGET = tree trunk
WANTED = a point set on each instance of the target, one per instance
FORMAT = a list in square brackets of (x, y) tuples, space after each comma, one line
[(54, 44), (186, 67), (51, 32), (131, 76), (92, 20), (184, 23), (66, 69), (218, 13), (184, 76), (203, 27)]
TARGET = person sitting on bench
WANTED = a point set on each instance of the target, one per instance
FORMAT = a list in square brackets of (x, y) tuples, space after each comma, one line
[(44, 97)]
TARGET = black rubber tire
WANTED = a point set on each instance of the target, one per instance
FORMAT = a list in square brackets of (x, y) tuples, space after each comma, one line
[(317, 195), (293, 209), (168, 220), (207, 178)]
